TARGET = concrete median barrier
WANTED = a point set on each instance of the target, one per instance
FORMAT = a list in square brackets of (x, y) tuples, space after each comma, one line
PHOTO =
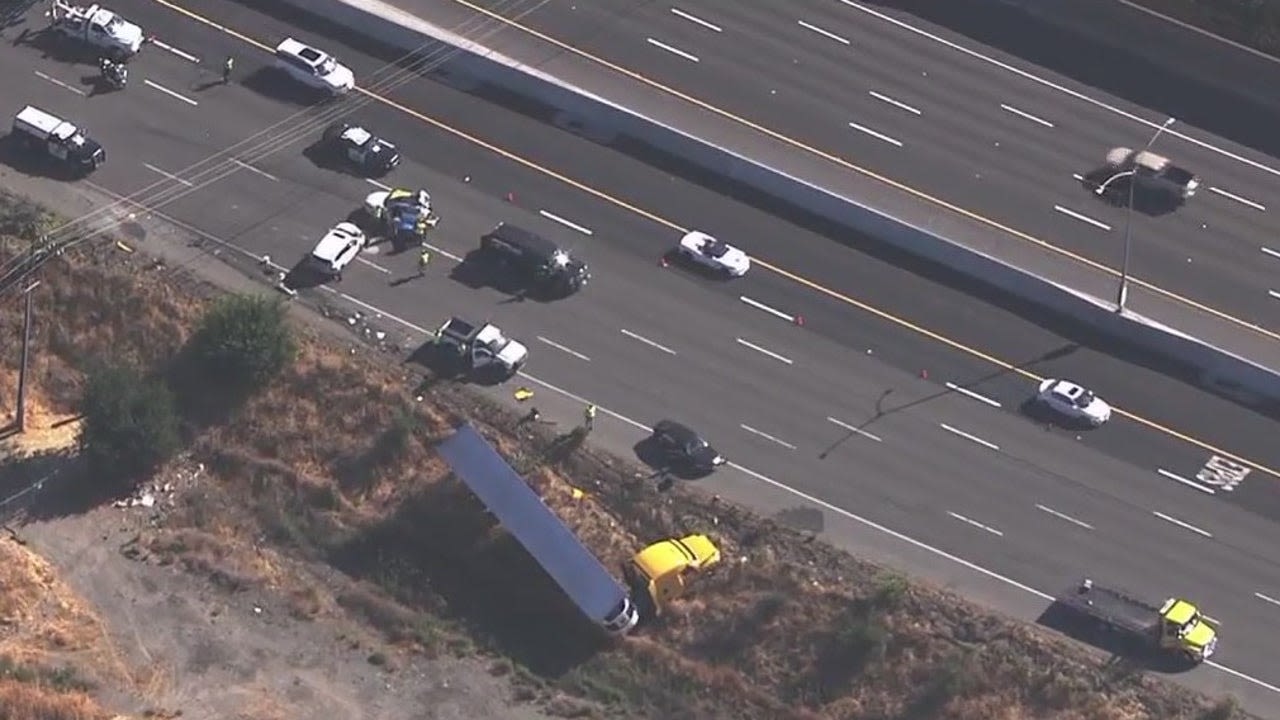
[(458, 61)]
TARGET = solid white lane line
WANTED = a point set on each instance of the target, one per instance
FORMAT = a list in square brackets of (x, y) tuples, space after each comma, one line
[(251, 168), (674, 51), (1064, 516), (976, 396), (442, 251), (169, 175), (1082, 218), (1185, 481), (1237, 198), (1077, 177), (567, 223), (1266, 598), (768, 437), (896, 103), (976, 524), (171, 93), (852, 429), (970, 438), (761, 306), (180, 53), (1181, 524), (377, 184), (825, 33), (1025, 115), (1065, 90), (1274, 294), (61, 84), (647, 341), (877, 135), (374, 265), (697, 20), (564, 349), (763, 351), (1272, 253)]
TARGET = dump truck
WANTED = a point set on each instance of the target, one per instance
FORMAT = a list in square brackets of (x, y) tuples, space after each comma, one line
[(1175, 626), (662, 568), (1155, 172), (578, 572), (103, 30)]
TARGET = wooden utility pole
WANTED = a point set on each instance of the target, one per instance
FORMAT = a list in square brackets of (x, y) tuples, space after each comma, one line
[(21, 421)]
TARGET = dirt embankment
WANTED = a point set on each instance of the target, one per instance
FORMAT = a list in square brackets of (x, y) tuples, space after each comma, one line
[(332, 467)]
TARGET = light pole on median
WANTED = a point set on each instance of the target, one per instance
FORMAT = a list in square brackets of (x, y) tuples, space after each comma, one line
[(1122, 295)]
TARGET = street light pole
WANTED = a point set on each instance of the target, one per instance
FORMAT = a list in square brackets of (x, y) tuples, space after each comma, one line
[(1122, 295)]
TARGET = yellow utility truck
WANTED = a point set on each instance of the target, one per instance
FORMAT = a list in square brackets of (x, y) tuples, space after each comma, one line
[(661, 569), (1175, 625)]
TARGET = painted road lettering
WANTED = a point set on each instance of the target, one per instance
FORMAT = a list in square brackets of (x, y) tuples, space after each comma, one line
[(1222, 474)]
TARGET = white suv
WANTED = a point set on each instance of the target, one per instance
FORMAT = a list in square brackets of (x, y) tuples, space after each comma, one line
[(314, 68), (337, 249)]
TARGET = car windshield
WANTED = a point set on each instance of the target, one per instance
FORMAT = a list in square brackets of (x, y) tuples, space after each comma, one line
[(714, 248), (1084, 399), (327, 66)]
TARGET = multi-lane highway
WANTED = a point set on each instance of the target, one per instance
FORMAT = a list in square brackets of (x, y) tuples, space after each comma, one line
[(950, 461), (877, 88)]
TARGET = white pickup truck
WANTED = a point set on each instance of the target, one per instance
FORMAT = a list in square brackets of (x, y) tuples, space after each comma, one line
[(104, 30)]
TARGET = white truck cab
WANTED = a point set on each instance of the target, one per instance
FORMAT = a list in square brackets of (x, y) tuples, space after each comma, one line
[(97, 26)]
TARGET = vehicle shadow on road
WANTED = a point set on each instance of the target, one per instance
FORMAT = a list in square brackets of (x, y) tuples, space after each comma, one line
[(1127, 654), (648, 453), (32, 163), (274, 84)]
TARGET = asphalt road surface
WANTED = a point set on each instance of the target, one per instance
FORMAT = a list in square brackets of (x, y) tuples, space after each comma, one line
[(965, 123), (1034, 505)]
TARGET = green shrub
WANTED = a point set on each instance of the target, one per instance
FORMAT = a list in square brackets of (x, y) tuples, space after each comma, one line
[(243, 341), (131, 424)]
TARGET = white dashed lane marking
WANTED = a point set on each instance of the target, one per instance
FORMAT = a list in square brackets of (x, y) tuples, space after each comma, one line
[(696, 20), (171, 93), (673, 50), (877, 135)]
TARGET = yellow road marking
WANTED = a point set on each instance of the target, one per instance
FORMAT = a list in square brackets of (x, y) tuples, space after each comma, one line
[(793, 142), (782, 272)]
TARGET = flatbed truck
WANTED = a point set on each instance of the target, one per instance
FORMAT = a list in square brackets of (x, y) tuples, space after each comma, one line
[(1176, 625)]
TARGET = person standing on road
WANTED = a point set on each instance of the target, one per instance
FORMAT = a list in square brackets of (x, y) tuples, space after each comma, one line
[(423, 260), (589, 417), (227, 66)]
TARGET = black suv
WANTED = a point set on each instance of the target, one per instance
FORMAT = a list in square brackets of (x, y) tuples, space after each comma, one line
[(685, 449), (535, 262)]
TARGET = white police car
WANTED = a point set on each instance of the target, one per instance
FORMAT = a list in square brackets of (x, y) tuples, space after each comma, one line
[(1073, 402), (369, 153), (337, 249), (314, 68), (716, 255)]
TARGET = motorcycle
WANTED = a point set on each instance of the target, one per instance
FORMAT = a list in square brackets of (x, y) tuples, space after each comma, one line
[(114, 73)]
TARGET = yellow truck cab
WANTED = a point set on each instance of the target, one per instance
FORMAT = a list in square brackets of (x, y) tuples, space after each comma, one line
[(1185, 628), (662, 566)]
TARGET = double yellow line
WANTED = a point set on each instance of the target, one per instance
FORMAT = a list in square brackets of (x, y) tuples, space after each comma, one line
[(664, 222)]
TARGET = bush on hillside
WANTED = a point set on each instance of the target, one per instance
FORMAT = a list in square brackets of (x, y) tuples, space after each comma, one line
[(131, 424), (243, 341)]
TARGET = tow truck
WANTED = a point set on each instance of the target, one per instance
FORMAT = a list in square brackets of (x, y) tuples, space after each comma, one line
[(105, 31), (401, 215), (660, 570), (481, 348), (1175, 626)]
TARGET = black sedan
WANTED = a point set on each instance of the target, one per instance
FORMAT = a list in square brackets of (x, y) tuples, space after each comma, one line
[(684, 449), (353, 144)]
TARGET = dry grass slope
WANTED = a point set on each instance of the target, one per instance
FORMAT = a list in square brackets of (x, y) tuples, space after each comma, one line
[(334, 463)]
